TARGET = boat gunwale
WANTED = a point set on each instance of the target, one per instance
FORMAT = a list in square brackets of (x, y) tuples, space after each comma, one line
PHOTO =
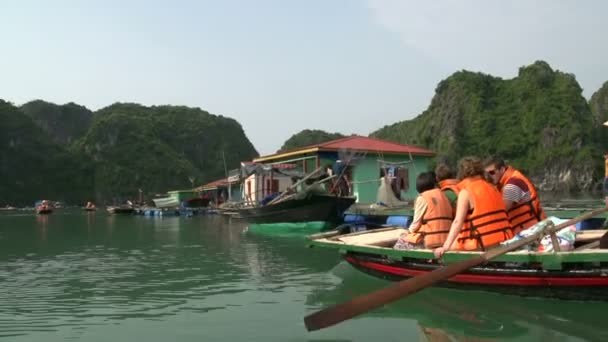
[(548, 258)]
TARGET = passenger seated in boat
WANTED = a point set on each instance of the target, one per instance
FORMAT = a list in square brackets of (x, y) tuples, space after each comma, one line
[(481, 217), (518, 193), (432, 216), (448, 183), (90, 205)]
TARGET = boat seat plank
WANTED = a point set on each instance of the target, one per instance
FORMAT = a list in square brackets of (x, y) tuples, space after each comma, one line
[(378, 239)]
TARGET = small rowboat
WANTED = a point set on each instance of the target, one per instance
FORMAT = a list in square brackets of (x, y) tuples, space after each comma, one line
[(578, 274), (43, 211)]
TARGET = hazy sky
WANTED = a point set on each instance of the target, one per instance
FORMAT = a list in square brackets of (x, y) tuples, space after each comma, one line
[(349, 66)]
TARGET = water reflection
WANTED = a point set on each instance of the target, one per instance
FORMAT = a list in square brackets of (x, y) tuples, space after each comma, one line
[(460, 315), (101, 269)]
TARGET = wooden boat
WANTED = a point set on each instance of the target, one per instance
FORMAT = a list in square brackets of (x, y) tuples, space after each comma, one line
[(43, 207), (166, 202), (578, 274), (314, 207), (89, 207), (43, 210), (123, 209)]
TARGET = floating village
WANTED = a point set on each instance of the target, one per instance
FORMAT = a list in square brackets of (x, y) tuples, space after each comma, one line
[(359, 196)]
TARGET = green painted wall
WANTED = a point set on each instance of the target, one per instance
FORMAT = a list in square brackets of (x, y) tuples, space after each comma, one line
[(366, 173), (366, 176)]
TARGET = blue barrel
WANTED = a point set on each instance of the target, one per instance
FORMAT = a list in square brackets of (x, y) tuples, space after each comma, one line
[(592, 223), (401, 221), (350, 218)]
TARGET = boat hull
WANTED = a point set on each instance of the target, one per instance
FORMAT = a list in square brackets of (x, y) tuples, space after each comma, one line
[(120, 210), (323, 208), (166, 202), (586, 283), (44, 211)]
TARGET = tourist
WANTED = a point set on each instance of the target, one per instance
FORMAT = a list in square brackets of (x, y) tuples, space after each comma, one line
[(448, 183), (481, 219), (518, 193), (432, 216)]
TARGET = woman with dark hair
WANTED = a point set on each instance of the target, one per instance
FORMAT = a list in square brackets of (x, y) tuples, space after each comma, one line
[(481, 217), (432, 216)]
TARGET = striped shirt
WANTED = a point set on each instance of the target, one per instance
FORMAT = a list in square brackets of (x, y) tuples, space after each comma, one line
[(516, 190)]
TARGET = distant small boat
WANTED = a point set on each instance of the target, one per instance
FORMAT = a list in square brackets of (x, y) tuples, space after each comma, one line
[(43, 207), (43, 210), (165, 202), (90, 207), (121, 210)]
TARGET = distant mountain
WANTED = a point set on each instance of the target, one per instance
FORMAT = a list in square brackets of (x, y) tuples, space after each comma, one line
[(64, 123), (599, 108), (33, 166), (68, 153), (309, 137), (160, 148), (538, 121)]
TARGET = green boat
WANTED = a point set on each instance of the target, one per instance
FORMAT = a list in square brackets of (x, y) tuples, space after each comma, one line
[(578, 274)]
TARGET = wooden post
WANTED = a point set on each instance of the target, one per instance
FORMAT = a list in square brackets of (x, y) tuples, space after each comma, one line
[(554, 240)]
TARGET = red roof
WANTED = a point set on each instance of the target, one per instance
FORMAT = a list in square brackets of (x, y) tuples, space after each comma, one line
[(358, 143), (274, 166)]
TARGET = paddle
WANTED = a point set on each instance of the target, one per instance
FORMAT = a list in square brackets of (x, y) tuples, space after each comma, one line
[(356, 306)]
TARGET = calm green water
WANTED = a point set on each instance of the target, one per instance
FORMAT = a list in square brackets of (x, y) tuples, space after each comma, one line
[(92, 277)]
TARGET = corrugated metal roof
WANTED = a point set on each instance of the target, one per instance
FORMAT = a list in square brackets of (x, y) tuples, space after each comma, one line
[(354, 142)]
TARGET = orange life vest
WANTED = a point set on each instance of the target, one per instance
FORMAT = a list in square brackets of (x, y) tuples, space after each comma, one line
[(487, 224), (525, 214), (451, 184), (436, 220)]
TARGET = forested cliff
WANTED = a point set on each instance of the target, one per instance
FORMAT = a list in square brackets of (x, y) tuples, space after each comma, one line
[(538, 121), (72, 154)]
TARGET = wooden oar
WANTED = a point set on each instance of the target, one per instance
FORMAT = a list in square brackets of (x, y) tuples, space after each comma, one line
[(356, 306)]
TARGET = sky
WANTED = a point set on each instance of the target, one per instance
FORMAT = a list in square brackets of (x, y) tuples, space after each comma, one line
[(281, 66)]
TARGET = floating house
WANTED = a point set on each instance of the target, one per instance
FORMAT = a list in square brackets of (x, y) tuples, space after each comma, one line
[(222, 190), (261, 180), (362, 160)]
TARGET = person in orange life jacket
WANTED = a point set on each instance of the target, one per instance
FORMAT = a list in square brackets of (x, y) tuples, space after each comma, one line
[(481, 219), (432, 216), (519, 194), (448, 183)]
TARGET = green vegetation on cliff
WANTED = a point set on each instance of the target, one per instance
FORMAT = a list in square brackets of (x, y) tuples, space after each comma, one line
[(308, 137), (64, 123), (538, 121), (68, 153), (599, 108), (160, 148), (33, 166)]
